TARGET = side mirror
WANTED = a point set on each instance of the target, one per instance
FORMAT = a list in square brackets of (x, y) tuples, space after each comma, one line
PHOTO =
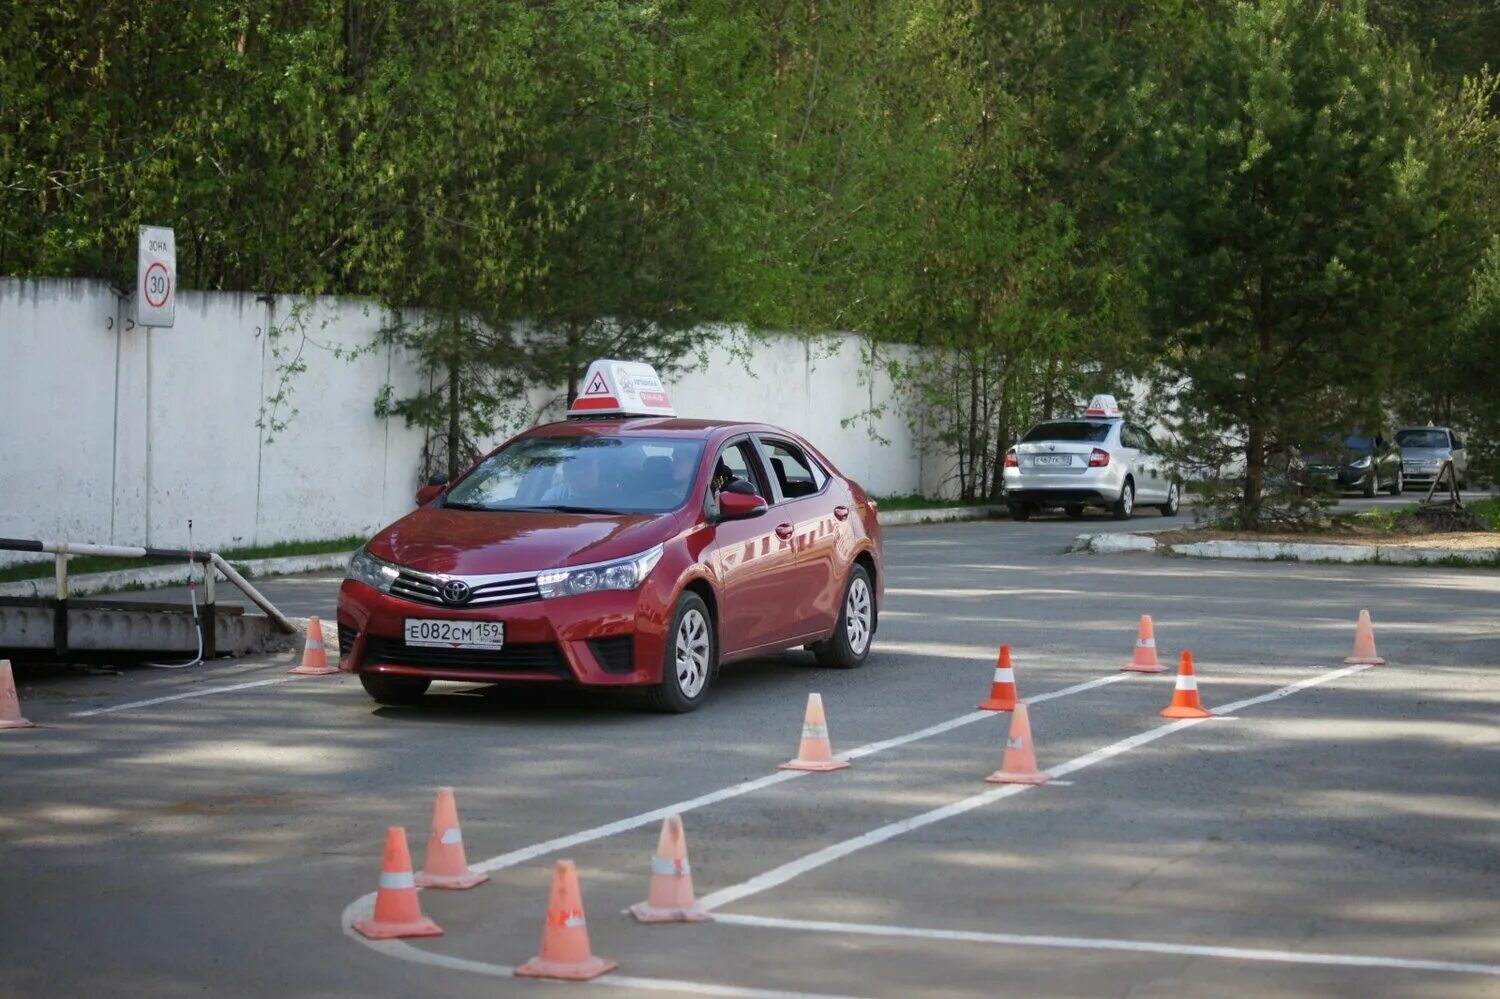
[(436, 486), (740, 506)]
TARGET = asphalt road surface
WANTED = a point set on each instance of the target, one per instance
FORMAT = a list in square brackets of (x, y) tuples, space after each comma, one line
[(1338, 837)]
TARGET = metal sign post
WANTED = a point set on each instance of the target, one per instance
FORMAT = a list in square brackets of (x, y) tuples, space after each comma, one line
[(156, 277)]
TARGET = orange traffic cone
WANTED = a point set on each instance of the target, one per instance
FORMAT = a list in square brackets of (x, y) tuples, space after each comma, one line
[(1018, 766), (815, 752), (314, 656), (10, 704), (565, 937), (397, 912), (1364, 644), (670, 899), (1185, 702), (1003, 690), (1144, 660), (446, 865)]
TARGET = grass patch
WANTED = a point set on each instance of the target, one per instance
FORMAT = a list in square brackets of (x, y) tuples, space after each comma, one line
[(1489, 509), (80, 564), (912, 501)]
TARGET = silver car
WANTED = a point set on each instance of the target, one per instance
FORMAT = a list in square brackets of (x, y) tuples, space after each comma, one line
[(1098, 459), (1423, 451)]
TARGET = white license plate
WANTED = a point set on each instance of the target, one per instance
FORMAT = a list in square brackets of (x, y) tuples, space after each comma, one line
[(1051, 459), (441, 634)]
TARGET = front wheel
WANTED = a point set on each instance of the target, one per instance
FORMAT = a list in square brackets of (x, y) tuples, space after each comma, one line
[(1125, 505), (397, 690), (1399, 486), (1373, 485), (1173, 503), (849, 644), (690, 661)]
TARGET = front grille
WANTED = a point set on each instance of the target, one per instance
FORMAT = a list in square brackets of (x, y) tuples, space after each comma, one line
[(615, 654), (347, 635), (521, 657), (484, 592)]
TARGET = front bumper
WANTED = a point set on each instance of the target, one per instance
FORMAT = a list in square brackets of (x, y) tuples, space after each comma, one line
[(614, 638)]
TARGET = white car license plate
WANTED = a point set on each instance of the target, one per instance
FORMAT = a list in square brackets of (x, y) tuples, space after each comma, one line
[(437, 633), (1051, 459)]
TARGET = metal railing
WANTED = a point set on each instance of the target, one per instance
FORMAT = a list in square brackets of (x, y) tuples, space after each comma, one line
[(210, 561)]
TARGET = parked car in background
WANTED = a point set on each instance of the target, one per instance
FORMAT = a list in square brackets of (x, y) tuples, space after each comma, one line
[(1098, 459), (1425, 449), (1361, 462)]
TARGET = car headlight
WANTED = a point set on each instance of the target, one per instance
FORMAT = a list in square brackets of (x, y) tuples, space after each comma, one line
[(621, 574), (372, 571), (1360, 462)]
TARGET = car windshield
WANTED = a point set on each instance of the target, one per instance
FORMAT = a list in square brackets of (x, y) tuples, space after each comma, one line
[(581, 475), (1422, 438), (1082, 431)]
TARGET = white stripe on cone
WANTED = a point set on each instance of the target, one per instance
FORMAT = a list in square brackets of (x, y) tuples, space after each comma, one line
[(1187, 683), (451, 837), (1004, 674), (814, 731), (397, 880), (1145, 643), (665, 865)]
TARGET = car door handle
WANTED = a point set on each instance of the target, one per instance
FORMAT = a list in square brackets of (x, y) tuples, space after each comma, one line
[(784, 531), (841, 512)]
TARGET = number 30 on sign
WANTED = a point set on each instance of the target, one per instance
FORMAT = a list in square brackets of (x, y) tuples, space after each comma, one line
[(156, 277)]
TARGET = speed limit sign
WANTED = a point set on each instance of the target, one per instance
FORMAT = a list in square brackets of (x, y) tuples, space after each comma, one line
[(156, 277)]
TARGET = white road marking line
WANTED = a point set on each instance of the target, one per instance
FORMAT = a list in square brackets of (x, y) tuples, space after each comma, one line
[(406, 952), (364, 905), (1107, 943), (524, 854), (819, 858), (202, 692)]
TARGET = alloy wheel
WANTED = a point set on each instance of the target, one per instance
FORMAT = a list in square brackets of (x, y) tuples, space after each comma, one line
[(692, 653), (857, 613)]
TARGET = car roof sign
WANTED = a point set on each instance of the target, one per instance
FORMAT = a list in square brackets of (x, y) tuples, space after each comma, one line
[(621, 388), (1103, 405)]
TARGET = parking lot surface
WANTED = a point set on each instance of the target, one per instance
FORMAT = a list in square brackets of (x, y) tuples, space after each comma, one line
[(1337, 837)]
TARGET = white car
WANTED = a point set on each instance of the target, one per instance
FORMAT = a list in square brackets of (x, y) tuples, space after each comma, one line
[(1098, 459)]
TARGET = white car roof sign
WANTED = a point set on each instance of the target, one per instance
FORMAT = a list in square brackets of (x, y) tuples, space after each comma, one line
[(1103, 405), (621, 388)]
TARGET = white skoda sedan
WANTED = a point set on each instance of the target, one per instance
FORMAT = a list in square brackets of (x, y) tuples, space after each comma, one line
[(1098, 459)]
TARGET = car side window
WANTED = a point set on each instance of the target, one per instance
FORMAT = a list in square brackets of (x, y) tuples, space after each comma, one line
[(796, 474), (736, 463), (1455, 442)]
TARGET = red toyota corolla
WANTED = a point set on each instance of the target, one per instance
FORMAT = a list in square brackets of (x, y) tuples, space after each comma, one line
[(618, 550)]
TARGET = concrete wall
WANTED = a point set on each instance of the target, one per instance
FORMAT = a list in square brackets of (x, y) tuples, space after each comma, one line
[(119, 435)]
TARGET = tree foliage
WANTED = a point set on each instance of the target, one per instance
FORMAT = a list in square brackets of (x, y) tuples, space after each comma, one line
[(1281, 205)]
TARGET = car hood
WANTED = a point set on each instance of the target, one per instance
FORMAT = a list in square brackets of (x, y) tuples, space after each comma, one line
[(1425, 454), (479, 542)]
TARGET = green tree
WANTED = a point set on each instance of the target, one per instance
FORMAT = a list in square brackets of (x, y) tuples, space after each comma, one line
[(1291, 204)]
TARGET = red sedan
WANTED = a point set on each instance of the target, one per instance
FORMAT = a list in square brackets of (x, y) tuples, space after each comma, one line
[(618, 550)]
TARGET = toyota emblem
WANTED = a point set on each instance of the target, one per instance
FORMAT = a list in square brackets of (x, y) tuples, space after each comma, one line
[(455, 591)]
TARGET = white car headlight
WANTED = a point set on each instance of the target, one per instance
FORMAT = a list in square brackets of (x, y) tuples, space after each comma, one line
[(371, 571), (621, 574), (1360, 462)]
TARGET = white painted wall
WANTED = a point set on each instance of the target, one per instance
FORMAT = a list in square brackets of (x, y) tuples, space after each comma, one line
[(118, 435)]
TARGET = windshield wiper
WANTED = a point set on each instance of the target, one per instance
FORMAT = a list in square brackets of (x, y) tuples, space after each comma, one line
[(566, 508), (465, 506)]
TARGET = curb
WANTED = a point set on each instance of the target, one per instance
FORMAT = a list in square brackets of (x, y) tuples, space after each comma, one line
[(1278, 551), (165, 575), (939, 515)]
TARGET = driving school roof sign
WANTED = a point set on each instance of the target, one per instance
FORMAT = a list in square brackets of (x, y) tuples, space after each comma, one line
[(622, 388)]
